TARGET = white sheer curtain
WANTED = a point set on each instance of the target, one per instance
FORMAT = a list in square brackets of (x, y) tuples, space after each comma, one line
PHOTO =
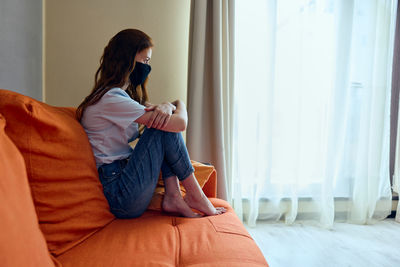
[(396, 176), (394, 108), (311, 131)]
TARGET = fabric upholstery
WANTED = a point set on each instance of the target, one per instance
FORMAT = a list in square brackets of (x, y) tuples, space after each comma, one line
[(227, 243), (73, 214), (61, 170), (155, 239), (21, 241)]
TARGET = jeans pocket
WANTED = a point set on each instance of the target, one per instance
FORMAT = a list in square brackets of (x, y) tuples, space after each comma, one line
[(109, 172)]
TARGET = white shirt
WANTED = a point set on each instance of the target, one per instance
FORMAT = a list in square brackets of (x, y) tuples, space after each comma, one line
[(110, 125)]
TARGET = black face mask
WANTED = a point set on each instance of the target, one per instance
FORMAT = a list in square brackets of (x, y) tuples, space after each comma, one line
[(139, 73)]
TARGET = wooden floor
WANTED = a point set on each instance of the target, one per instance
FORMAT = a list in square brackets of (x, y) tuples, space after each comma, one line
[(346, 245)]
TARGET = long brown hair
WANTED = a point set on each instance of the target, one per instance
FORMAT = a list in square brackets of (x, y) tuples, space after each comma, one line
[(116, 64)]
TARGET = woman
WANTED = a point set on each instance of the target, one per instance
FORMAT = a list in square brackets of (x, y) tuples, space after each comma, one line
[(110, 116)]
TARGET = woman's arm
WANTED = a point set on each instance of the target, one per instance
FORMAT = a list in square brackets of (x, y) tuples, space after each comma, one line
[(169, 117), (161, 115)]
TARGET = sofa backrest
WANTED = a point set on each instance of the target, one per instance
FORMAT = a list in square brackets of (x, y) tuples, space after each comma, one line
[(61, 170), (21, 241)]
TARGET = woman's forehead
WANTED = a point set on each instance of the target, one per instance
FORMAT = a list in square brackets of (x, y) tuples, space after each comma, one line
[(146, 53)]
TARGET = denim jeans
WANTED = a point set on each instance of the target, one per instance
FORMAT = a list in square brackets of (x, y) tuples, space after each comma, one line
[(129, 184)]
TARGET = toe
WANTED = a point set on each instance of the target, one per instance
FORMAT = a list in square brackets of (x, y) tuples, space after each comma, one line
[(220, 210)]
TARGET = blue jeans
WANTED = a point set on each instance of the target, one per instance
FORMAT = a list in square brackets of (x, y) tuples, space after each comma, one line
[(129, 184)]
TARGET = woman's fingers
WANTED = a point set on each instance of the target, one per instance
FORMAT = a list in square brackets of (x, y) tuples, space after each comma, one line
[(149, 106), (160, 116), (161, 121), (154, 118), (165, 122), (150, 122), (158, 120)]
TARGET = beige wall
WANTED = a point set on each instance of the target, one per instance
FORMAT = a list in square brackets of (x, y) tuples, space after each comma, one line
[(76, 32)]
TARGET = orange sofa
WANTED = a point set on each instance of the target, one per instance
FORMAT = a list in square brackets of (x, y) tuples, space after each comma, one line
[(53, 212)]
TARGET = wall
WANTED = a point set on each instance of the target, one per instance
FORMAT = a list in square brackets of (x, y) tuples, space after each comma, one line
[(21, 46), (76, 33)]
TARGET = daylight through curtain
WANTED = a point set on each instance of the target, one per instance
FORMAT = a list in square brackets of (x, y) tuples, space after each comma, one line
[(311, 113)]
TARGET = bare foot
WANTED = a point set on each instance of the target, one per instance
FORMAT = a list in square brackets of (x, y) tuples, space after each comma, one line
[(220, 210), (176, 204), (204, 205)]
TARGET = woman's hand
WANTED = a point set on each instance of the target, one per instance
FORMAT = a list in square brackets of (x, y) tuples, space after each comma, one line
[(161, 114), (167, 117)]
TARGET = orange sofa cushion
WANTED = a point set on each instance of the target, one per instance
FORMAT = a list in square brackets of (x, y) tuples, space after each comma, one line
[(155, 239), (21, 241), (62, 174), (227, 243)]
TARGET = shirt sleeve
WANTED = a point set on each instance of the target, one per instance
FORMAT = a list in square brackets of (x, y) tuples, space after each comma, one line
[(120, 109)]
